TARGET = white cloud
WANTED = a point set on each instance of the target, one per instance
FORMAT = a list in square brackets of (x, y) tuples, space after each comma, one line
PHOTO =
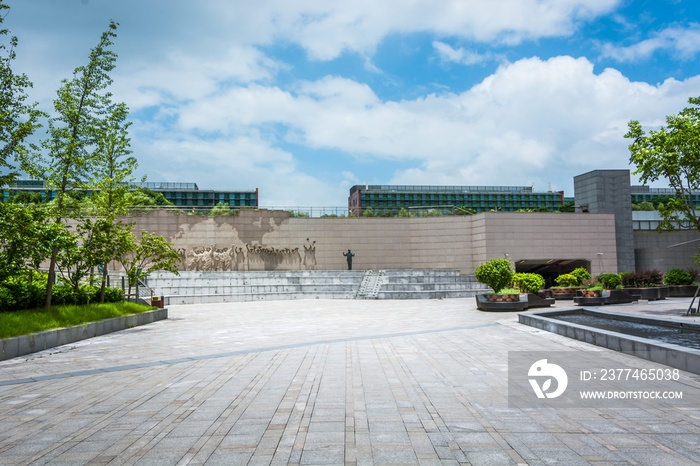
[(327, 29), (449, 54), (221, 115), (531, 120), (181, 77), (679, 41)]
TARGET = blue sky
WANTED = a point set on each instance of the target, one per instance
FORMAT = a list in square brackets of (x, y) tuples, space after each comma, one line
[(303, 99)]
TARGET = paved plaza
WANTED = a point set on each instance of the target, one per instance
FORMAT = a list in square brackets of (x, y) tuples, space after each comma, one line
[(322, 382)]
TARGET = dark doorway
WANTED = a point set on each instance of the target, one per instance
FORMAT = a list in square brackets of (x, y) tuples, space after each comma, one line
[(550, 268)]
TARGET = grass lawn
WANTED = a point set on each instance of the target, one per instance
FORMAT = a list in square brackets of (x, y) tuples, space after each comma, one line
[(17, 323)]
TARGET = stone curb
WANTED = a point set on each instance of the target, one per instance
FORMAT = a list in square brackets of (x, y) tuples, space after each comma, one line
[(34, 342)]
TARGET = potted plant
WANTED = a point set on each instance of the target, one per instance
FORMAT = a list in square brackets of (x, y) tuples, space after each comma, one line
[(610, 281), (532, 283), (567, 285), (497, 274), (680, 283), (582, 275), (606, 292)]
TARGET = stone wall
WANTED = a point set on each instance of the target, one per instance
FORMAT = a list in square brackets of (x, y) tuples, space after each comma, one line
[(271, 240), (609, 191), (652, 251)]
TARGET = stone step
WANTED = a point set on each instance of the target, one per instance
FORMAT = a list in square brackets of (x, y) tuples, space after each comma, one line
[(209, 287), (431, 286), (442, 294)]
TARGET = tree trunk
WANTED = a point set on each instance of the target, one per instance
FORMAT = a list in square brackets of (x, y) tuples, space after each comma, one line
[(104, 285), (52, 277)]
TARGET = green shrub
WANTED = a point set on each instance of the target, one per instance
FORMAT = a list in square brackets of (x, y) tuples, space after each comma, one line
[(86, 294), (678, 277), (693, 273), (641, 279), (566, 280), (113, 295), (28, 291), (581, 274), (528, 282), (609, 280), (368, 212), (21, 293), (496, 274)]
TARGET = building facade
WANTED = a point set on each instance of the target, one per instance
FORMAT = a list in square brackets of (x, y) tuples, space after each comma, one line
[(390, 199), (645, 193), (189, 195), (184, 195)]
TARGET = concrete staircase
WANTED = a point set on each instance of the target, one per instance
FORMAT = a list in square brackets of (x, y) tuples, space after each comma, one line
[(221, 287), (429, 284), (371, 282)]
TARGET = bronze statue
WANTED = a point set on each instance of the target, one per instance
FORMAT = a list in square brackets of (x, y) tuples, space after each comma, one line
[(349, 255)]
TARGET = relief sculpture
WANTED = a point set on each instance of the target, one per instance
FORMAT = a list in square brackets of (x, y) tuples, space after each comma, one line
[(249, 257), (310, 255)]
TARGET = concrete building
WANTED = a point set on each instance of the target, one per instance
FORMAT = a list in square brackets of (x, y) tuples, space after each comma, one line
[(608, 192)]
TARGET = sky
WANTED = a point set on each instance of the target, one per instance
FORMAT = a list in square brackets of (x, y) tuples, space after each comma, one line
[(303, 99)]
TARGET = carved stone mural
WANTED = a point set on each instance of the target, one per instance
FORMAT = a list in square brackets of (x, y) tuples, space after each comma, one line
[(249, 257)]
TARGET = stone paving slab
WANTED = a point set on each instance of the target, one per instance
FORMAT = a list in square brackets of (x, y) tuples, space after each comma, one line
[(320, 382)]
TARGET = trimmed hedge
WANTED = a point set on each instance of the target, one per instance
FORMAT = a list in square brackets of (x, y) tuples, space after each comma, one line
[(528, 282), (642, 279), (610, 280), (19, 293), (496, 274), (581, 274), (566, 279)]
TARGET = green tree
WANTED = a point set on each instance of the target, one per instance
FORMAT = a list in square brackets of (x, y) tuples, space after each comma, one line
[(224, 210), (25, 198), (145, 197), (112, 177), (496, 274), (567, 207), (151, 253), (81, 106), (671, 153), (27, 238), (113, 168), (644, 205), (18, 119)]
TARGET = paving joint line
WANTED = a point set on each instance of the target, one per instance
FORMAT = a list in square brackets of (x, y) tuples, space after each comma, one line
[(168, 362)]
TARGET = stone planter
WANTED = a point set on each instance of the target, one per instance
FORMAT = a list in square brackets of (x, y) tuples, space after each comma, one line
[(539, 299), (511, 302), (653, 293), (682, 291), (564, 293), (502, 302), (602, 297)]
